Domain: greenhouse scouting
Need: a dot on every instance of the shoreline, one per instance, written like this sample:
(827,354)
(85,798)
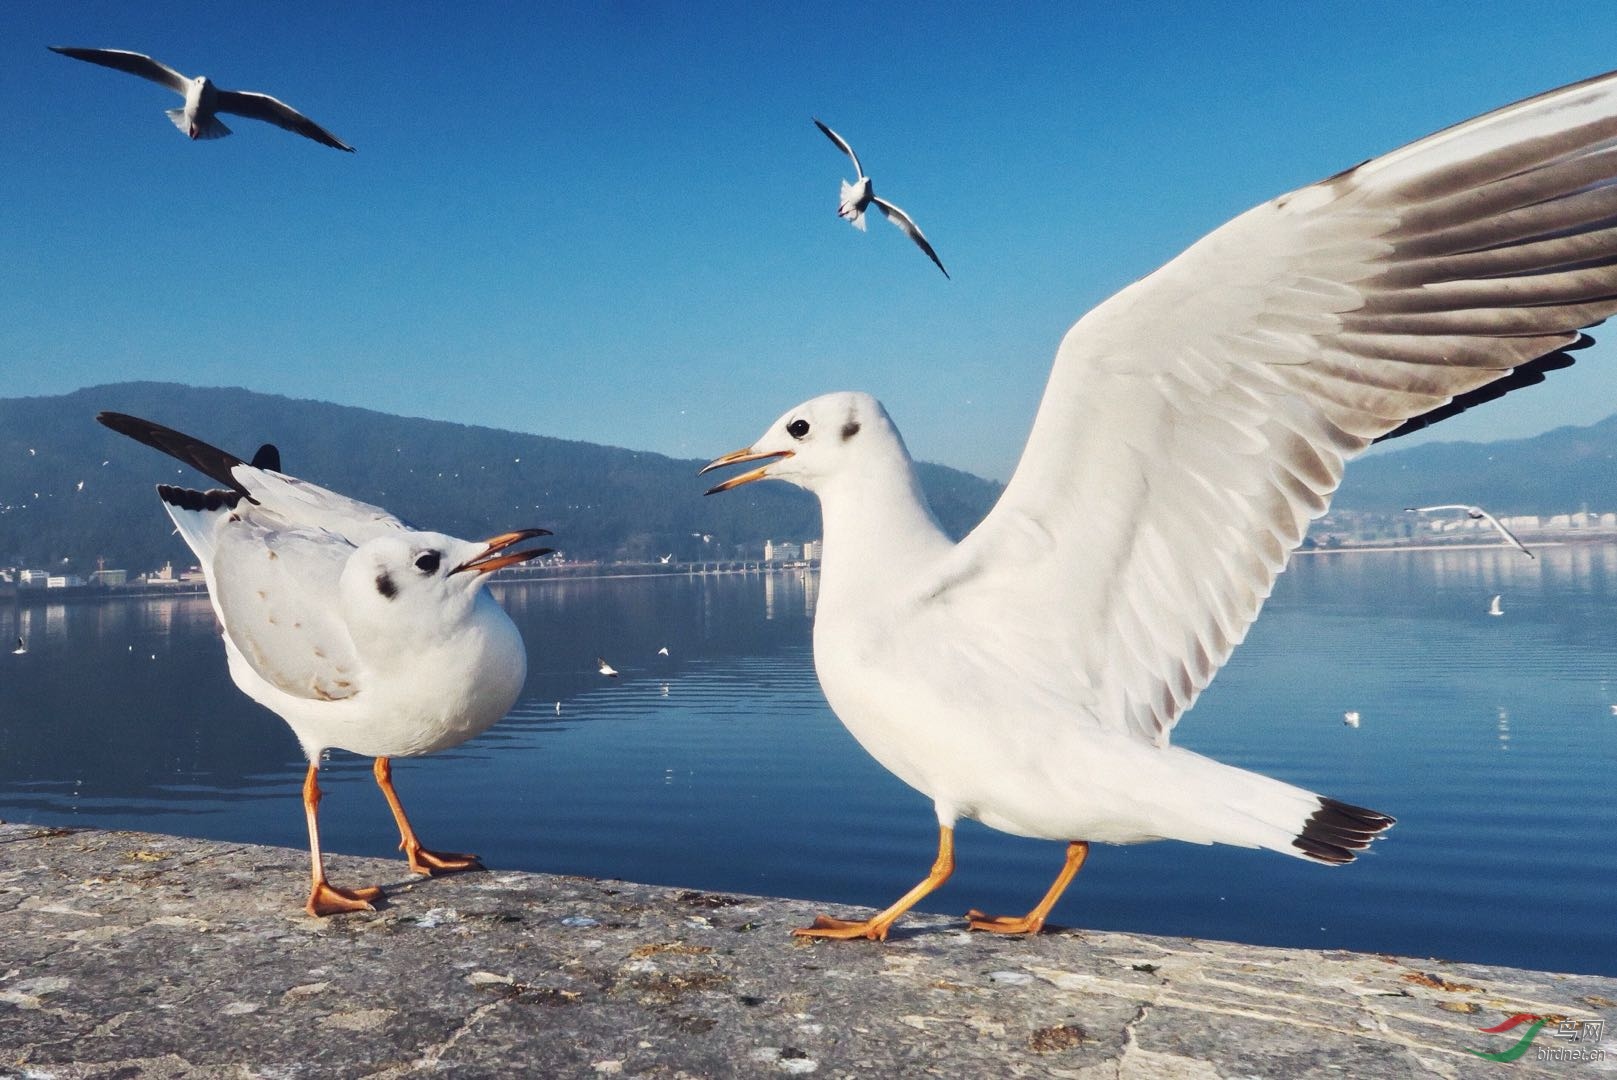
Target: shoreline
(20,596)
(125,952)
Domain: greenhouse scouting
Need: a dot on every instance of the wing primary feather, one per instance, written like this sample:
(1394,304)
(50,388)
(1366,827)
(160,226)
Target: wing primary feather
(208,460)
(1528,374)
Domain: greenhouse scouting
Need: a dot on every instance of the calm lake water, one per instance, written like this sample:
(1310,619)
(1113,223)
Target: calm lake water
(1492,739)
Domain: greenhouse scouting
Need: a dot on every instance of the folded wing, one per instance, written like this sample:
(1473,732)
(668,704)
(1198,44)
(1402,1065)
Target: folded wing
(273,587)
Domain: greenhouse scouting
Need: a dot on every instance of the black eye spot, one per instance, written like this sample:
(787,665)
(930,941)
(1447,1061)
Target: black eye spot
(797,428)
(385,586)
(427,562)
(849,430)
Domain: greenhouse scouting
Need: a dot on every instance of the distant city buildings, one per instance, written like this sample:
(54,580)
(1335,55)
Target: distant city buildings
(787,552)
(1363,528)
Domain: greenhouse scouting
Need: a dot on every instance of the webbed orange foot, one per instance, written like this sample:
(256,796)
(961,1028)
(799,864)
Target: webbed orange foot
(1033,921)
(326,899)
(844,929)
(431,863)
(1004,924)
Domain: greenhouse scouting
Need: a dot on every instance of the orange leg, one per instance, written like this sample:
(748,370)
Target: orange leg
(422,861)
(876,928)
(325,898)
(1033,921)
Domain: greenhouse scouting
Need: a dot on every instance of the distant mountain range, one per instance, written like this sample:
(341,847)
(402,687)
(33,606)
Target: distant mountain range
(1557,472)
(70,489)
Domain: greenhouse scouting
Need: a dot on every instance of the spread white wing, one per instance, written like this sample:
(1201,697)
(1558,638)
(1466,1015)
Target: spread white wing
(132,62)
(275,111)
(842,144)
(1196,421)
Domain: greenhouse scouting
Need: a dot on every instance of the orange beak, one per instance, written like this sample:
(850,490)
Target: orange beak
(739,457)
(491,560)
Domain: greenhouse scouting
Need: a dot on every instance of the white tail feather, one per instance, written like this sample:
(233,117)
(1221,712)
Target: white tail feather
(1227,805)
(210,127)
(850,207)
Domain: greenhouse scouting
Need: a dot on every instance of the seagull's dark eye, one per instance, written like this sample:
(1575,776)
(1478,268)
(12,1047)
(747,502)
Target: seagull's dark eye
(797,428)
(427,562)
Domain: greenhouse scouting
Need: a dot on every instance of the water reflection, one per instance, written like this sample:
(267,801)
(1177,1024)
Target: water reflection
(719,765)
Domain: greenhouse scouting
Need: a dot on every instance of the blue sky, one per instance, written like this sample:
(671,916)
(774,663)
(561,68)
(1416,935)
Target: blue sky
(617,223)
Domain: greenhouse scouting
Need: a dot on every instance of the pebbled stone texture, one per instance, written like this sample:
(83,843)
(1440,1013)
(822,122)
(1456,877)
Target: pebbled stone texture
(132,954)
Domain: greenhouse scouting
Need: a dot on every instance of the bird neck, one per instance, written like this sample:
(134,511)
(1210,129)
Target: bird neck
(877,528)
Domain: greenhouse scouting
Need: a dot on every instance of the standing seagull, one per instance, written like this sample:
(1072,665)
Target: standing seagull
(203,99)
(360,632)
(1477,513)
(1031,675)
(859,195)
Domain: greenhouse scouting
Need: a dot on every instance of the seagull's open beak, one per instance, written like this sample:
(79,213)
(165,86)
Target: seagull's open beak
(490,559)
(739,457)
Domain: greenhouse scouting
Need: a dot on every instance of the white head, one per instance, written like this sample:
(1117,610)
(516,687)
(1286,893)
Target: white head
(420,584)
(828,437)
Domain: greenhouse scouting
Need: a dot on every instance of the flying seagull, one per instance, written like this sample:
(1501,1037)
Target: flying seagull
(22,647)
(860,195)
(605,668)
(1477,513)
(1031,675)
(360,632)
(203,100)
(1493,606)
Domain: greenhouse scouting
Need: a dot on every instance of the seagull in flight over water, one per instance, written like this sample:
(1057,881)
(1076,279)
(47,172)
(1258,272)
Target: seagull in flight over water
(1031,675)
(203,100)
(858,196)
(357,630)
(1477,513)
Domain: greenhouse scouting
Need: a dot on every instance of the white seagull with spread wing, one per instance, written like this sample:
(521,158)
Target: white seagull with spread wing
(1031,675)
(858,196)
(203,100)
(1477,513)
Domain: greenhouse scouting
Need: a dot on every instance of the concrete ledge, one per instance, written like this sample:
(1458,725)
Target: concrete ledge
(127,954)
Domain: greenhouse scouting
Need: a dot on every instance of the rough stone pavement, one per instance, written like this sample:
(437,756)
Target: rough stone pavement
(132,954)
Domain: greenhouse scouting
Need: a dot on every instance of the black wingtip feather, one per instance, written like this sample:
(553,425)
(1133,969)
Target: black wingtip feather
(1527,374)
(208,460)
(191,499)
(1337,831)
